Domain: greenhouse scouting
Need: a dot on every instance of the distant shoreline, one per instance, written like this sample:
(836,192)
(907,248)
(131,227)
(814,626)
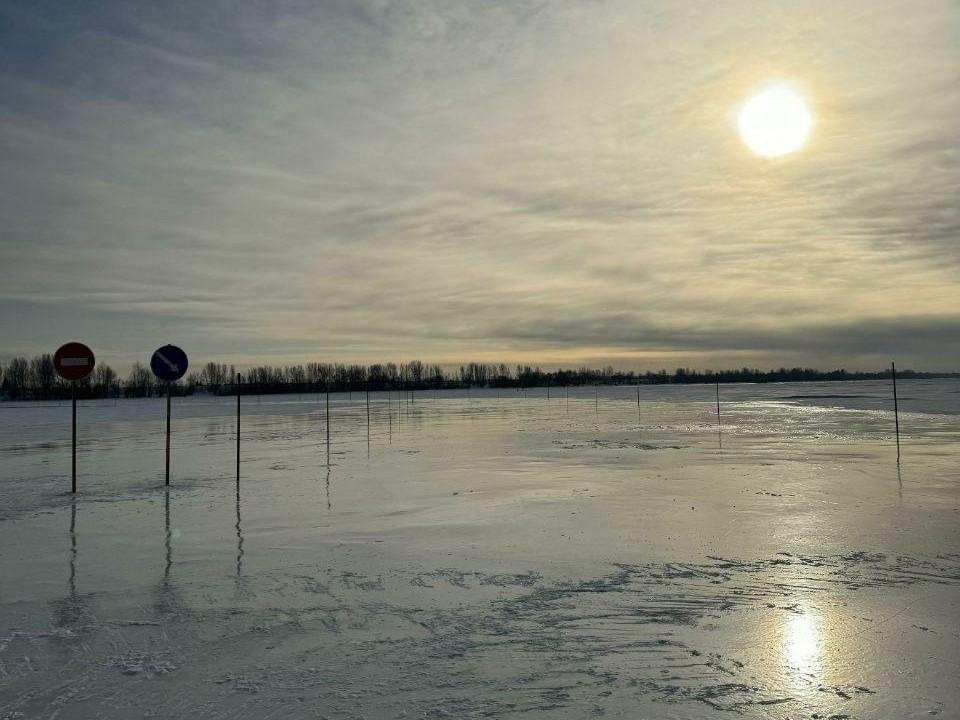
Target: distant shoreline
(536,379)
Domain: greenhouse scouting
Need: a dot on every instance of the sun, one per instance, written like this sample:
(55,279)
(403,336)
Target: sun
(775,122)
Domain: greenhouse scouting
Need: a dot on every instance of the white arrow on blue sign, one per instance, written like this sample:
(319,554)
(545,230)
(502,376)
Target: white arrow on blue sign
(169,363)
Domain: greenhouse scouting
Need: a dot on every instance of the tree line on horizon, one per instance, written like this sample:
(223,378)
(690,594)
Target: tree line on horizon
(36,379)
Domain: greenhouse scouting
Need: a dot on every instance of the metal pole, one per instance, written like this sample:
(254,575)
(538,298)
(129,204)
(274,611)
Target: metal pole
(718,403)
(167,481)
(896,409)
(719,427)
(328,427)
(238,437)
(73,394)
(368,420)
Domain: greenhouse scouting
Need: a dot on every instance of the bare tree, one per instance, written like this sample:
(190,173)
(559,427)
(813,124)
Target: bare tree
(43,375)
(214,376)
(390,370)
(17,375)
(104,378)
(415,371)
(296,374)
(139,381)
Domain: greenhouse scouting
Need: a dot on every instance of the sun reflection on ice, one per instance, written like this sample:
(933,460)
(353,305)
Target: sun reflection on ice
(802,645)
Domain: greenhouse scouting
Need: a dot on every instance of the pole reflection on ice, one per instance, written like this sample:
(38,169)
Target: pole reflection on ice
(239,529)
(168,548)
(73,548)
(166,600)
(328,486)
(71,611)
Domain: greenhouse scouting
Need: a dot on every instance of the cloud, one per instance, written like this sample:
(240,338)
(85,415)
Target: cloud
(361,180)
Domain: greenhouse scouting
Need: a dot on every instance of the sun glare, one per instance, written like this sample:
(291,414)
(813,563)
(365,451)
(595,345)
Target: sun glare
(775,122)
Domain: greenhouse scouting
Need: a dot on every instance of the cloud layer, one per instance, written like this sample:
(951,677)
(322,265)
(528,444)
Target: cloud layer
(552,181)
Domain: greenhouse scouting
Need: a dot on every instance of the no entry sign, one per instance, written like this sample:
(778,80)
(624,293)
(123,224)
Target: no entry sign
(74,361)
(169,363)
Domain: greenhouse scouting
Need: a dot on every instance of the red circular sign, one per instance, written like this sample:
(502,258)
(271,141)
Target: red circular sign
(74,361)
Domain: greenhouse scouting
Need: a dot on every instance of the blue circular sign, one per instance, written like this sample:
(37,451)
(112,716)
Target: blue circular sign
(169,363)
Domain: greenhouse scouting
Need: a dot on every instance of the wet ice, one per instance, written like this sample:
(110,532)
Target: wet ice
(489,557)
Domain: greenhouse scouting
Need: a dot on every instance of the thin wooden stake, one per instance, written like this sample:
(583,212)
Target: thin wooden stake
(328,427)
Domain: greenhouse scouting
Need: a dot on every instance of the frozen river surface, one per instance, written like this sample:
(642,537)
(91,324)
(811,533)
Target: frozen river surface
(491,556)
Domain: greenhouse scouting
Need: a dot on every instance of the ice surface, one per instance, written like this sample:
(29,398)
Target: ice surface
(497,555)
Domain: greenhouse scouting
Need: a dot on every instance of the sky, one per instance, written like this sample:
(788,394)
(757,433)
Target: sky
(551,182)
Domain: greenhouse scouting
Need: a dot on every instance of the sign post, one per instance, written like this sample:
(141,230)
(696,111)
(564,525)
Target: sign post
(169,364)
(896,406)
(166,465)
(73,361)
(238,436)
(73,440)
